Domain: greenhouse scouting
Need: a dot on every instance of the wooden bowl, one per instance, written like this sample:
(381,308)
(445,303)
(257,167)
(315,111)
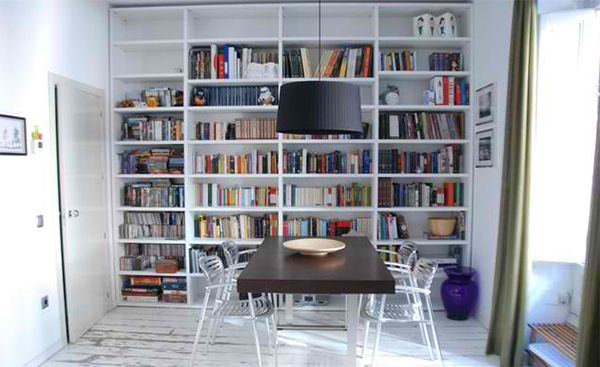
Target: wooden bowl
(314,246)
(442,226)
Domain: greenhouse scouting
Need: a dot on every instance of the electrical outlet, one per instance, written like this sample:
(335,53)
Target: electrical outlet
(564,298)
(45,302)
(40,221)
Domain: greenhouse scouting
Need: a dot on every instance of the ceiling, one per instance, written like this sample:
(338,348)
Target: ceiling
(122,3)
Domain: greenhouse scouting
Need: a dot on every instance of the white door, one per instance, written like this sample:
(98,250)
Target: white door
(80,126)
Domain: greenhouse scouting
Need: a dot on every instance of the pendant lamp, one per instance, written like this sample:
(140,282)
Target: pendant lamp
(319,107)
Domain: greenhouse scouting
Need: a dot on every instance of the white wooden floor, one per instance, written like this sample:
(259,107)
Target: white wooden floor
(161,337)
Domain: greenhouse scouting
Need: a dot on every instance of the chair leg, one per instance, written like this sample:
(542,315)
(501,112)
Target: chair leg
(254,329)
(209,334)
(274,336)
(378,332)
(269,336)
(436,341)
(365,339)
(423,327)
(199,330)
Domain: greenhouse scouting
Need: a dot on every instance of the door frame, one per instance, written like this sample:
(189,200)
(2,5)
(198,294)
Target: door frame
(55,80)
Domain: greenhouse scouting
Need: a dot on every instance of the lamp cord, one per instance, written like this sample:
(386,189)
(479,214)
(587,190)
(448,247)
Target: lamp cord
(319,40)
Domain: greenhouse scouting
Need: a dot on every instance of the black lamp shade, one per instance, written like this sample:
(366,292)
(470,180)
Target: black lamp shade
(318,107)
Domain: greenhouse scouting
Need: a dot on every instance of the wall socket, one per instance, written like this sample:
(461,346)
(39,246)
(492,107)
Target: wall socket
(45,302)
(564,298)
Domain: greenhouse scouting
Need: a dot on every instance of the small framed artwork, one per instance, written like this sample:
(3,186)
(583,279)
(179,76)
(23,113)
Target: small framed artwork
(486,104)
(13,135)
(484,148)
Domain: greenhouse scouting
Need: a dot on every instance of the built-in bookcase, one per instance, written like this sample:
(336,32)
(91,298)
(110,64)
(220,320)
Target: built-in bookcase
(150,48)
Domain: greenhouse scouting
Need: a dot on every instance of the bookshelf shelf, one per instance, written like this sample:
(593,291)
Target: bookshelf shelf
(148,110)
(152,272)
(150,47)
(418,75)
(423,141)
(425,209)
(148,209)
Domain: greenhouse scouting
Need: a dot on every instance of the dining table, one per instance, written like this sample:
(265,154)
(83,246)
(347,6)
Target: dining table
(357,269)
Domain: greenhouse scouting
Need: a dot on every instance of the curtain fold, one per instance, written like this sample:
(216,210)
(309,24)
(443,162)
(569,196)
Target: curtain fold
(588,346)
(508,321)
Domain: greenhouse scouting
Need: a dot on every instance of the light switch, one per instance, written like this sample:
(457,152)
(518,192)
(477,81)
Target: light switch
(40,221)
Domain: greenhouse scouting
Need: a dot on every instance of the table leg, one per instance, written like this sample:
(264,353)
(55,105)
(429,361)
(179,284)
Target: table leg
(289,309)
(352,317)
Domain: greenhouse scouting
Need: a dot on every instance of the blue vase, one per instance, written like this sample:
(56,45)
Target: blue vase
(459,292)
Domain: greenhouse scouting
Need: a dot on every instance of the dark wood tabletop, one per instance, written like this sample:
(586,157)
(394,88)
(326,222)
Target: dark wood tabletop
(357,269)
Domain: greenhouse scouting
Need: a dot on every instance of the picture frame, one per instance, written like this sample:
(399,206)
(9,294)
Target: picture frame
(13,135)
(486,104)
(484,148)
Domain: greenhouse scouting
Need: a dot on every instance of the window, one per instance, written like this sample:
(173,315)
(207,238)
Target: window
(564,136)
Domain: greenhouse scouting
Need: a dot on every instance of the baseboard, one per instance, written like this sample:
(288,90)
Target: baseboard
(45,355)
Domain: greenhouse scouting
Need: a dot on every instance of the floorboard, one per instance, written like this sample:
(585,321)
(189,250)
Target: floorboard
(150,337)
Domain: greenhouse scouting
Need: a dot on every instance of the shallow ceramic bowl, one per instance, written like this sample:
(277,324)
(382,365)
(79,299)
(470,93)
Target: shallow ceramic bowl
(442,226)
(314,246)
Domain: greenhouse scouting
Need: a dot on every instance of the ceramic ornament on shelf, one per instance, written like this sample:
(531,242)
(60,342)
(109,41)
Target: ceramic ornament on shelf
(445,26)
(391,96)
(265,98)
(423,25)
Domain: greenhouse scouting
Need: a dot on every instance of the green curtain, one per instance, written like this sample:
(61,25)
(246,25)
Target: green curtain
(507,326)
(588,348)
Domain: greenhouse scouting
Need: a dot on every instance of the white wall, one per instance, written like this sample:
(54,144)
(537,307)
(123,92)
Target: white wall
(69,38)
(491,47)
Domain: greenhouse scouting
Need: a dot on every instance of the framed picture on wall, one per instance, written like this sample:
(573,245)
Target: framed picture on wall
(486,104)
(484,141)
(13,135)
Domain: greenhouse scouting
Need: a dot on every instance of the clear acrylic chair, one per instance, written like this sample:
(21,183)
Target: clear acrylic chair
(232,253)
(406,310)
(226,308)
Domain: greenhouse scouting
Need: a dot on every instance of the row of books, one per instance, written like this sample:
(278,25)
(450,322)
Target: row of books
(227,62)
(363,135)
(234,96)
(420,194)
(296,63)
(255,162)
(152,161)
(239,129)
(162,97)
(391,226)
(405,60)
(421,125)
(240,226)
(448,91)
(155,289)
(303,161)
(153,250)
(446,61)
(156,193)
(318,227)
(354,195)
(152,225)
(145,128)
(349,62)
(443,160)
(216,195)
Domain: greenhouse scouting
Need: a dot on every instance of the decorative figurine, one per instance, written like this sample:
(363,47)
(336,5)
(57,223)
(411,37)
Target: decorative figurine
(126,103)
(423,25)
(265,98)
(391,96)
(152,101)
(199,97)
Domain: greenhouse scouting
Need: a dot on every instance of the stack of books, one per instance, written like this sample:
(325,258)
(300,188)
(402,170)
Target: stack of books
(234,96)
(405,60)
(240,226)
(444,160)
(325,227)
(333,196)
(227,62)
(420,194)
(348,62)
(142,289)
(251,163)
(215,195)
(240,129)
(445,61)
(303,161)
(421,125)
(156,193)
(391,226)
(174,290)
(152,225)
(152,161)
(145,128)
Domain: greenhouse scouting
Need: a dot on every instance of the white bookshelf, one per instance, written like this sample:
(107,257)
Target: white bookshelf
(149,47)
